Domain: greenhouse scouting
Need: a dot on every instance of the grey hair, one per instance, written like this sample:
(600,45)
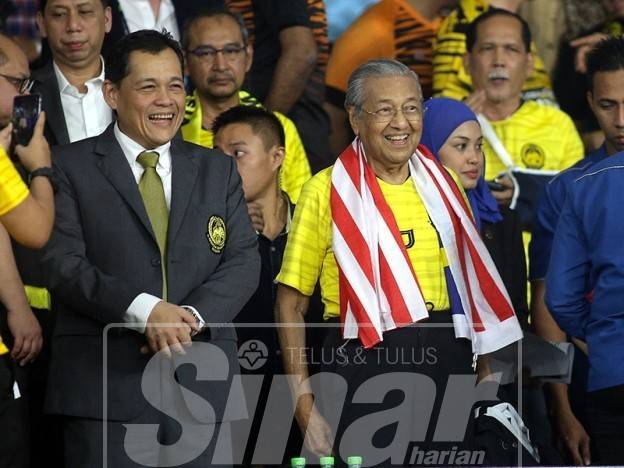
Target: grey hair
(373,69)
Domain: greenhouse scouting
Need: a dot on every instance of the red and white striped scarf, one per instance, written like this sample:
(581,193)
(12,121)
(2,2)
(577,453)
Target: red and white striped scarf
(379,290)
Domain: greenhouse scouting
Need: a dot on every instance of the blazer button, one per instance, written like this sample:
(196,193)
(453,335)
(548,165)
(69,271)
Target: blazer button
(156,262)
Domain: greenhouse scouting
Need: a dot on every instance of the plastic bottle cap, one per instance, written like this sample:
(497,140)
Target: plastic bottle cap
(354,461)
(327,461)
(297,461)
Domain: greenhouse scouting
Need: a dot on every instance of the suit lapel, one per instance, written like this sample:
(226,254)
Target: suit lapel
(183,178)
(51,104)
(116,169)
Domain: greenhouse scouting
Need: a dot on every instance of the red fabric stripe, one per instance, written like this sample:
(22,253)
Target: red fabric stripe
(366,331)
(350,161)
(386,213)
(449,180)
(492,293)
(352,235)
(459,239)
(398,308)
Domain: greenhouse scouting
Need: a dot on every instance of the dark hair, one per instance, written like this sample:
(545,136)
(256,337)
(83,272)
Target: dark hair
(145,40)
(213,12)
(471,33)
(43,3)
(262,122)
(606,56)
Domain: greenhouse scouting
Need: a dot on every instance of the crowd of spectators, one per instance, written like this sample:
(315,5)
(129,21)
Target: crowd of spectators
(514,108)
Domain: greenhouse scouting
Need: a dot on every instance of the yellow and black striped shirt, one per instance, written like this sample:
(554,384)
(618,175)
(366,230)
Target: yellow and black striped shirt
(389,29)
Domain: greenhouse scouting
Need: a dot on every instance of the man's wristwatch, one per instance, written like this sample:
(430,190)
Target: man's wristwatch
(44,172)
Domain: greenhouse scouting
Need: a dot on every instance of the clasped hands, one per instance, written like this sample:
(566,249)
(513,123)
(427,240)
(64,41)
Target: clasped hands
(169,327)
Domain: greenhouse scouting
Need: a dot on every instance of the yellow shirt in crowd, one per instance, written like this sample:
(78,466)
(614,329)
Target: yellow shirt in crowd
(449,76)
(13,191)
(309,255)
(536,136)
(295,169)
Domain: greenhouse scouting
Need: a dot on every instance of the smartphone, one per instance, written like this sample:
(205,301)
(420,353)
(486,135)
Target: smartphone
(26,110)
(495,186)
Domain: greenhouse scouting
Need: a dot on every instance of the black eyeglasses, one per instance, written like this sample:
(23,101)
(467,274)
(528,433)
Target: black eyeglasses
(23,85)
(208,54)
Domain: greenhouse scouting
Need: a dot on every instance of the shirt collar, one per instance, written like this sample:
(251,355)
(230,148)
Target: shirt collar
(63,84)
(132,149)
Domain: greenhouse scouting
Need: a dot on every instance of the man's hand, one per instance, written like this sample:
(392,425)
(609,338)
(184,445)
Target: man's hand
(37,153)
(583,46)
(26,335)
(169,325)
(503,197)
(572,437)
(255,213)
(5,137)
(318,434)
(475,101)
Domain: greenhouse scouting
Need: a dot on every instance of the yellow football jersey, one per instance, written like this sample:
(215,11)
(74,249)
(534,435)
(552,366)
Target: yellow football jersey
(309,256)
(536,136)
(295,169)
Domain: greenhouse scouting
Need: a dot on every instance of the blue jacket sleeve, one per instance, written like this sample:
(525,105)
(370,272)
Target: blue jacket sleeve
(568,273)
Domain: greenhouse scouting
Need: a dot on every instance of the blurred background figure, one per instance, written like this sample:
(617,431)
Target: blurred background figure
(449,76)
(218,57)
(399,29)
(291,50)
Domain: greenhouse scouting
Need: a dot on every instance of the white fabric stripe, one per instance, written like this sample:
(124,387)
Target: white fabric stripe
(441,219)
(470,228)
(403,275)
(380,237)
(394,256)
(357,279)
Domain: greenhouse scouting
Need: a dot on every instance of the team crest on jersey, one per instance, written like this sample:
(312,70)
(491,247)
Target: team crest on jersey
(216,233)
(533,156)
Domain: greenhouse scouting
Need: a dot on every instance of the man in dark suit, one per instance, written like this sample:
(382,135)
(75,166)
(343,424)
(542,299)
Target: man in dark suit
(70,81)
(143,216)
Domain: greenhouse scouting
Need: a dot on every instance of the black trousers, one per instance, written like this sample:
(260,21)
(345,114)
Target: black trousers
(605,417)
(429,353)
(14,451)
(85,444)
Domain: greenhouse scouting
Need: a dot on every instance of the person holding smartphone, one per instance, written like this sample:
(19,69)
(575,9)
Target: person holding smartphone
(27,215)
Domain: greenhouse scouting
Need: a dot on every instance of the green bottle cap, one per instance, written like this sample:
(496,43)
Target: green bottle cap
(327,461)
(297,462)
(354,461)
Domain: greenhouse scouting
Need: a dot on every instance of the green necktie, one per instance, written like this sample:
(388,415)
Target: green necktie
(153,195)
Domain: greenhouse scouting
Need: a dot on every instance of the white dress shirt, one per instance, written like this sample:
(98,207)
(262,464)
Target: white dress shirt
(86,114)
(141,307)
(139,15)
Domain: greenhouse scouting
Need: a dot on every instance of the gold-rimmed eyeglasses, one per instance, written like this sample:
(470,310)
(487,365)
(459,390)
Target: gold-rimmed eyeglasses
(411,112)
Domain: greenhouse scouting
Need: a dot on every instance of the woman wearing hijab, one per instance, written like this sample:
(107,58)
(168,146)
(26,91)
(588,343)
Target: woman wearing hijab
(452,133)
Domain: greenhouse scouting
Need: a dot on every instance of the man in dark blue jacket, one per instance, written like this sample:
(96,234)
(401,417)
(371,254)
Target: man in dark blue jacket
(585,293)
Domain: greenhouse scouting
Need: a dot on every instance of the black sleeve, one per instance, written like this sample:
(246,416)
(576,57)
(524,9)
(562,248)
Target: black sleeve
(281,15)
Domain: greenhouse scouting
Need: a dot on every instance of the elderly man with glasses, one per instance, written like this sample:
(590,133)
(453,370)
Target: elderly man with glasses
(388,233)
(218,57)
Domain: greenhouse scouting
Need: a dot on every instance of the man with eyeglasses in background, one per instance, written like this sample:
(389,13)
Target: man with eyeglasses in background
(218,57)
(27,215)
